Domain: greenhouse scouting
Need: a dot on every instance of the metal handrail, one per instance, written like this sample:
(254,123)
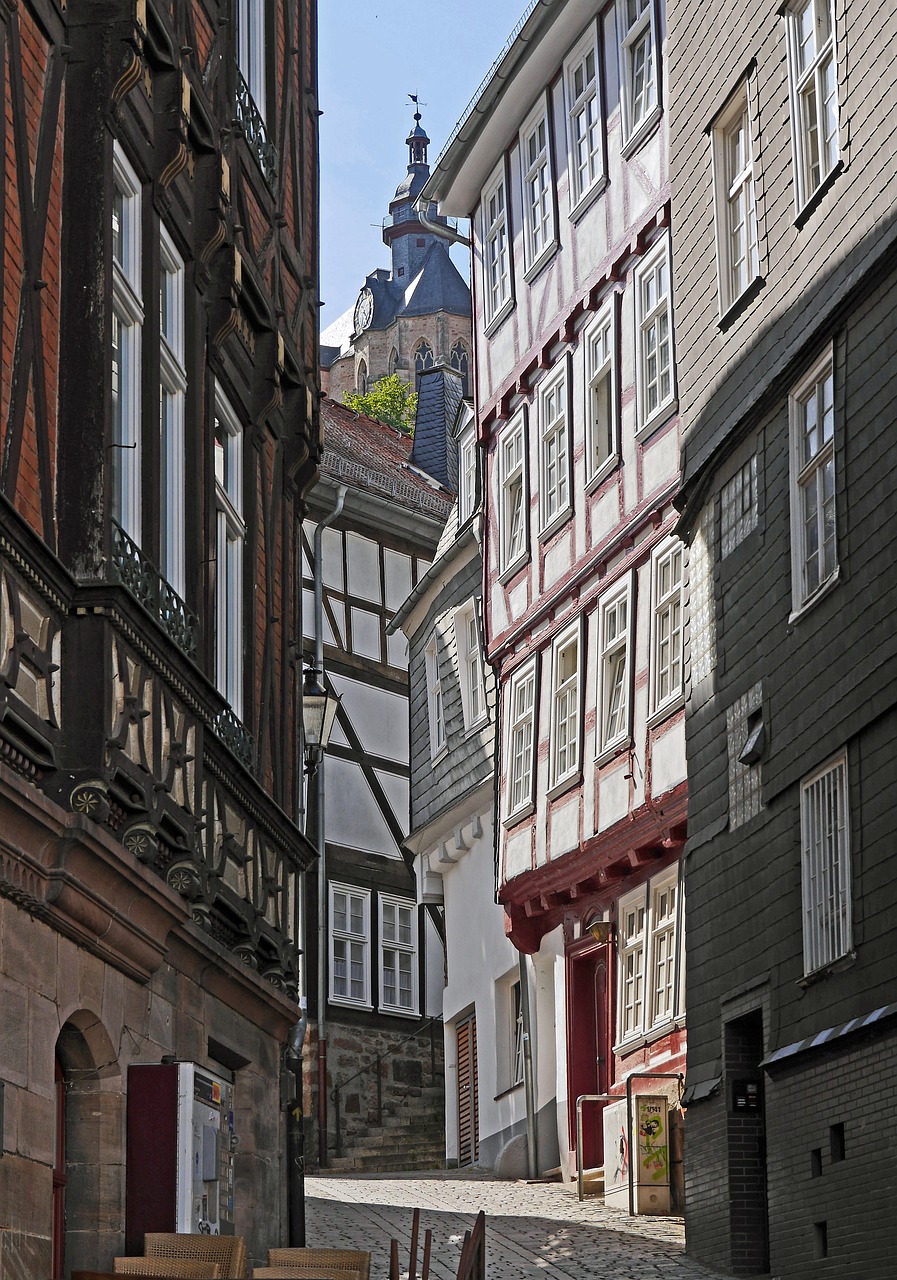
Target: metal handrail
(134,570)
(375,1062)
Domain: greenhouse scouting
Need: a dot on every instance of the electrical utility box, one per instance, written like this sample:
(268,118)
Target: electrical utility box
(643,1155)
(180,1152)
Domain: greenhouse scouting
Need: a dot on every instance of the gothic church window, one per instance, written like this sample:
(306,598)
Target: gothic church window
(461,364)
(423,360)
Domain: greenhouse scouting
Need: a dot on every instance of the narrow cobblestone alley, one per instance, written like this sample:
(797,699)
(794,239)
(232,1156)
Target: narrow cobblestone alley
(531,1230)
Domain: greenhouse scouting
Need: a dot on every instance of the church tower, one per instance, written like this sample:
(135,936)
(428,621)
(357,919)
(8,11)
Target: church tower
(413,316)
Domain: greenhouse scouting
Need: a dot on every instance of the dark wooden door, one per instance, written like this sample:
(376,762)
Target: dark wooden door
(589,1047)
(468,1103)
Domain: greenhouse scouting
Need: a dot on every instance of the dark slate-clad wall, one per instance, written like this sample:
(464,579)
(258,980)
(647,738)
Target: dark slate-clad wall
(468,759)
(435,451)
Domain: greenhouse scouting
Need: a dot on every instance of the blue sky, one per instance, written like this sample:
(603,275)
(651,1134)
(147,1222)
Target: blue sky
(372,54)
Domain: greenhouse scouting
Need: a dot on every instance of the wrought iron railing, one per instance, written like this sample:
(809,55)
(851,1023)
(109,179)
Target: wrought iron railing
(250,121)
(374,1065)
(136,572)
(234,735)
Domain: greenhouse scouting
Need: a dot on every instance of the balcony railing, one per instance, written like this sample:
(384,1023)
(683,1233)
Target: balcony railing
(250,120)
(234,735)
(134,571)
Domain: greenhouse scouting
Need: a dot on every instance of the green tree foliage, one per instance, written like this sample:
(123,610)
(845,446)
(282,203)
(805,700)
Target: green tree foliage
(389,400)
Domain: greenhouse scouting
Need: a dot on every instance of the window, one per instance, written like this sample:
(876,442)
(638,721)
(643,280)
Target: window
(554,455)
(650,956)
(655,382)
(459,361)
(516,1056)
(601,393)
(251,48)
(614,644)
(423,360)
(398,955)
(513,514)
(825,865)
(467,475)
(350,913)
(565,705)
(521,737)
(585,137)
(127,328)
(231,536)
(814,94)
(393,365)
(739,505)
(172,392)
(538,189)
(738,255)
(639,66)
(496,251)
(813,542)
(668,583)
(362,378)
(470,664)
(435,706)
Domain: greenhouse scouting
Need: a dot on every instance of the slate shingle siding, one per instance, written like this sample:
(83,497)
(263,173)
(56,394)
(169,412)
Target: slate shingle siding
(468,758)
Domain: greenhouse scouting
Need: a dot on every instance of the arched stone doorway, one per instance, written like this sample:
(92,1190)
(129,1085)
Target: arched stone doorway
(89,1174)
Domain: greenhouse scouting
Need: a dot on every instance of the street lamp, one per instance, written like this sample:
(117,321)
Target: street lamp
(318,710)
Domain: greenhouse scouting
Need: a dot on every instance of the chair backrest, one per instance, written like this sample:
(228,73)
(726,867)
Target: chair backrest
(178,1268)
(354,1264)
(228,1251)
(317,1271)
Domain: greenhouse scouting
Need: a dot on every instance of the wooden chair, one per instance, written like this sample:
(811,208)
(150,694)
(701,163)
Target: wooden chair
(229,1252)
(178,1268)
(317,1271)
(352,1264)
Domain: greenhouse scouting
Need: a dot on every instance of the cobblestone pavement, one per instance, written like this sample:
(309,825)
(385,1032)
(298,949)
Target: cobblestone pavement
(532,1230)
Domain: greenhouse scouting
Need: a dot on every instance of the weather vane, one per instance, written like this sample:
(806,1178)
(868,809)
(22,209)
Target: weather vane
(417,104)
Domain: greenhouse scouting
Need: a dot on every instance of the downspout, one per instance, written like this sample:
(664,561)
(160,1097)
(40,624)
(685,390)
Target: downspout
(320,838)
(437,228)
(532,1153)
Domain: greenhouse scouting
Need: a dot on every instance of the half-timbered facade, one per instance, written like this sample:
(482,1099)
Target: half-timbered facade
(158,421)
(780,123)
(380,518)
(561,165)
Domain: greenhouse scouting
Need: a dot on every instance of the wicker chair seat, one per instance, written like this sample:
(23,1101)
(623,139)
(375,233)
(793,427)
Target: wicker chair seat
(178,1268)
(228,1251)
(313,1271)
(353,1264)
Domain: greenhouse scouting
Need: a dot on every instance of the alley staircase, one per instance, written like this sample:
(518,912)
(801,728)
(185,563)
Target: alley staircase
(390,1115)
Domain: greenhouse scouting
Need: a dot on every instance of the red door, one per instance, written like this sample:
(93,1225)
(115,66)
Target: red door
(589,1045)
(59,1178)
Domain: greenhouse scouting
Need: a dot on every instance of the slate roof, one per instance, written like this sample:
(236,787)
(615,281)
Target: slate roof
(371,456)
(438,400)
(438,286)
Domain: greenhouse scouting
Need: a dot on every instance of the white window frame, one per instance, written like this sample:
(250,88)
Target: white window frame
(655,352)
(127,321)
(585,126)
(640,101)
(251,15)
(516,1066)
(668,584)
(615,631)
(350,938)
(435,699)
(467,474)
(825,864)
(813,88)
(565,746)
(553,401)
(395,948)
(735,199)
(513,496)
(650,958)
(522,688)
(537,188)
(601,382)
(813,481)
(498,266)
(231,539)
(471,672)
(172,397)
(739,506)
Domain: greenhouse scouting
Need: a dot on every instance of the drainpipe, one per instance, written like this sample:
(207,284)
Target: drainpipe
(437,228)
(528,1084)
(321,836)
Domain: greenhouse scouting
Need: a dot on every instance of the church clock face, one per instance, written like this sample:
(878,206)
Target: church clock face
(364,310)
